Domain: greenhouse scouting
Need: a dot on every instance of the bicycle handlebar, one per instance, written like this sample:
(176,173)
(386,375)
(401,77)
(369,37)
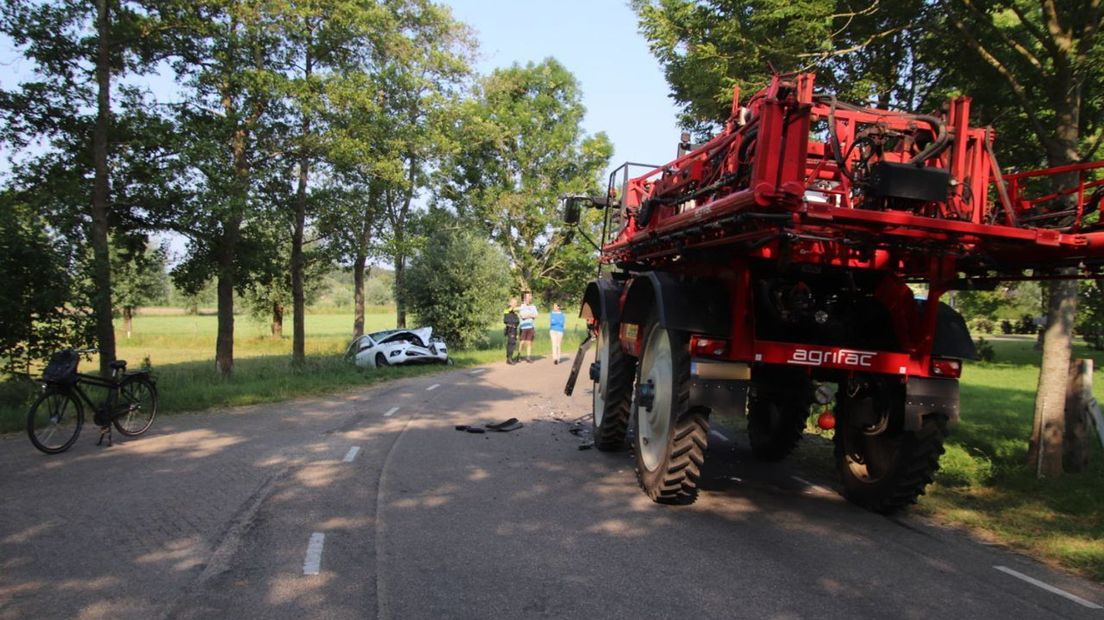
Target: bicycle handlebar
(86,351)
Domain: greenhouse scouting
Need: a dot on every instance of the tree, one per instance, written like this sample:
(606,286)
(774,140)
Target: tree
(79,50)
(327,44)
(1045,56)
(350,221)
(861,50)
(387,120)
(227,59)
(35,316)
(520,148)
(456,284)
(140,276)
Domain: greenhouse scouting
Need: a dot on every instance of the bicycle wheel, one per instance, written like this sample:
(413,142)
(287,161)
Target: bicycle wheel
(55,421)
(137,407)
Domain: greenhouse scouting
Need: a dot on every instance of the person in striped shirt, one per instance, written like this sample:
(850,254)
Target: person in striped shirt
(528,326)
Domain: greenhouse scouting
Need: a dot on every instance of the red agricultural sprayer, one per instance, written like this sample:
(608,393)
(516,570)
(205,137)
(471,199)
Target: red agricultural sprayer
(769,269)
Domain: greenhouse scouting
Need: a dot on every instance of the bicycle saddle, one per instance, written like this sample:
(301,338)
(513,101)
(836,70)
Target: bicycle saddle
(118,365)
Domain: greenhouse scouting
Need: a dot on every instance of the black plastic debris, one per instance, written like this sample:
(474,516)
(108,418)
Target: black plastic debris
(505,427)
(500,427)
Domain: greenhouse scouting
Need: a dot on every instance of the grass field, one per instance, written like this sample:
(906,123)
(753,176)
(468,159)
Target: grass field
(181,351)
(984,483)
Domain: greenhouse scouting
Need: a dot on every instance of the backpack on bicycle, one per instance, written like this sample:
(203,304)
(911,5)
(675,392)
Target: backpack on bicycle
(62,368)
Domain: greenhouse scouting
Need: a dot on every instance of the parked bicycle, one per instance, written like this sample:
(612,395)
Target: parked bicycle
(56,417)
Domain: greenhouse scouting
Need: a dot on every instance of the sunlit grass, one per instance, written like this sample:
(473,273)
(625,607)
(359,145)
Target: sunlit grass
(181,351)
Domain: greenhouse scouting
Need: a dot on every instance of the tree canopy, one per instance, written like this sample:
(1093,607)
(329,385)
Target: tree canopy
(520,147)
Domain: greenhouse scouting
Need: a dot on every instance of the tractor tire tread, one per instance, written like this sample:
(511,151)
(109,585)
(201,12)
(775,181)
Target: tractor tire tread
(920,463)
(677,482)
(610,436)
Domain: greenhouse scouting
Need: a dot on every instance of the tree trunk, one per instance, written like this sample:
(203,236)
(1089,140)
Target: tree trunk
(1045,447)
(358,295)
(224,343)
(400,281)
(1045,451)
(1076,451)
(101,261)
(298,263)
(277,320)
(298,299)
(128,319)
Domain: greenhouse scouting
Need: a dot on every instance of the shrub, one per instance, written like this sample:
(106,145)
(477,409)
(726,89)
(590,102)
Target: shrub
(985,350)
(983,325)
(458,286)
(1026,325)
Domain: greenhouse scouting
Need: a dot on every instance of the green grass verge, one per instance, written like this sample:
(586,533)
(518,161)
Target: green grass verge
(181,351)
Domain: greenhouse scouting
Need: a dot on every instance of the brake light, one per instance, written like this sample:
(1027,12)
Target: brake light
(708,347)
(946,368)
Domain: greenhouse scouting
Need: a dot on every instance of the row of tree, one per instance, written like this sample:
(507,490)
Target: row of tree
(295,135)
(1033,68)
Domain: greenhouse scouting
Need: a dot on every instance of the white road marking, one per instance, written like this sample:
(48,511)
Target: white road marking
(351,454)
(477,371)
(1048,587)
(312,563)
(814,487)
(433,387)
(390,412)
(718,435)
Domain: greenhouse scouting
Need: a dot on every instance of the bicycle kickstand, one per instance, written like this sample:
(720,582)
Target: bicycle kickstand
(105,431)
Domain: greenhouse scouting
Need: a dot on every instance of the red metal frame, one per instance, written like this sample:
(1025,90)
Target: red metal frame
(766,190)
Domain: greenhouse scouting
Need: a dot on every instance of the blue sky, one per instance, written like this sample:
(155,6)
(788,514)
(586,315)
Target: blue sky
(622,84)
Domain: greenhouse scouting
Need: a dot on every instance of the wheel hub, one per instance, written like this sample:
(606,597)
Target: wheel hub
(645,395)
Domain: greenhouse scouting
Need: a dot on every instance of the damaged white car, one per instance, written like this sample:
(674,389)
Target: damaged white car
(398,346)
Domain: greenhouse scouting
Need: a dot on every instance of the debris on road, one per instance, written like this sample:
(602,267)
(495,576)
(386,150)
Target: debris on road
(500,427)
(505,427)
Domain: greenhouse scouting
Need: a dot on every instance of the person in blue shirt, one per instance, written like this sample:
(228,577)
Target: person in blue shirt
(556,331)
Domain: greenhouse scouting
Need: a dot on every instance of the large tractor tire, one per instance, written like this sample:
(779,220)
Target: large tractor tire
(670,437)
(777,412)
(884,467)
(612,391)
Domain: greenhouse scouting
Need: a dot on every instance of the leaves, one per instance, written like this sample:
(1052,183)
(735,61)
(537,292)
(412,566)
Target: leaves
(520,147)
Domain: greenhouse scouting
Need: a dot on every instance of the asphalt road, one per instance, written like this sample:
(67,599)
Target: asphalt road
(370,503)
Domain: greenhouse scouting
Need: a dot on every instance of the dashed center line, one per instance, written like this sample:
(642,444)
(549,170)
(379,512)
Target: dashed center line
(351,454)
(718,435)
(312,563)
(477,371)
(391,412)
(433,387)
(1048,587)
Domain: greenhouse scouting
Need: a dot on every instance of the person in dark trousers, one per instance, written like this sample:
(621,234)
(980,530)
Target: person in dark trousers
(511,320)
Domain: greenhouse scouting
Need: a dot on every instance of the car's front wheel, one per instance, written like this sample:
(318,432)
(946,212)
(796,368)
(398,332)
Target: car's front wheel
(381,361)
